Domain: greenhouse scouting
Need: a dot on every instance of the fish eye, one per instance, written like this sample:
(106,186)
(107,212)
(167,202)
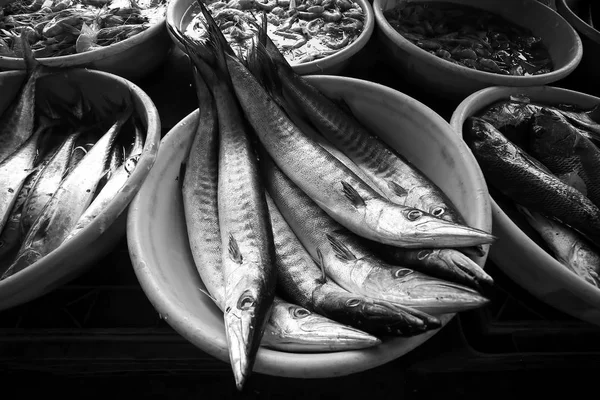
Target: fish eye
(246,302)
(421,255)
(131,163)
(301,312)
(438,211)
(402,272)
(414,214)
(353,302)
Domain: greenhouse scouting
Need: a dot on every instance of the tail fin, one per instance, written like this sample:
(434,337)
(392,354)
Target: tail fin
(30,62)
(216,39)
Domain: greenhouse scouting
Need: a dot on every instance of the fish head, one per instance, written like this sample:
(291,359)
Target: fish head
(552,134)
(418,229)
(245,317)
(482,135)
(462,267)
(376,316)
(435,295)
(299,329)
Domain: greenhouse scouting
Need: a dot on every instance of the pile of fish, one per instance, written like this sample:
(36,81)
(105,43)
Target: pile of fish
(62,27)
(303,30)
(546,160)
(61,164)
(309,232)
(471,37)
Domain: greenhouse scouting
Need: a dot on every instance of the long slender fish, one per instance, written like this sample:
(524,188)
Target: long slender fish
(17,121)
(14,170)
(342,194)
(560,147)
(47,182)
(291,327)
(73,196)
(246,236)
(569,247)
(350,263)
(303,282)
(528,183)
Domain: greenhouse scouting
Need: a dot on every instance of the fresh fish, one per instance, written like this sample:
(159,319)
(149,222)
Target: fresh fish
(400,181)
(342,194)
(62,211)
(448,264)
(527,182)
(115,183)
(47,182)
(303,282)
(246,235)
(14,170)
(560,147)
(290,327)
(349,262)
(17,121)
(569,247)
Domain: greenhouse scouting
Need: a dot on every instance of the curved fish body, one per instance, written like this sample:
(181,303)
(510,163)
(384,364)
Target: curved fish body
(568,246)
(333,186)
(14,170)
(48,182)
(303,282)
(72,197)
(17,121)
(527,182)
(446,264)
(246,236)
(346,259)
(290,327)
(567,154)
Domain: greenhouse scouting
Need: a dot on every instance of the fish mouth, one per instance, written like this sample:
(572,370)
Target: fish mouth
(441,297)
(464,267)
(391,318)
(434,232)
(243,342)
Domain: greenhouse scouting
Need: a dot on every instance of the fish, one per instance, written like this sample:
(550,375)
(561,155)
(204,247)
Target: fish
(17,121)
(118,175)
(448,264)
(290,327)
(560,147)
(47,182)
(342,194)
(569,247)
(304,283)
(528,182)
(349,262)
(246,237)
(73,196)
(399,180)
(14,170)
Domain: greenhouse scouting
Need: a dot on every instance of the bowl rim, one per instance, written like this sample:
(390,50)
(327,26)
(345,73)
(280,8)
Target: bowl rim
(478,101)
(310,67)
(490,77)
(576,22)
(92,55)
(305,365)
(95,229)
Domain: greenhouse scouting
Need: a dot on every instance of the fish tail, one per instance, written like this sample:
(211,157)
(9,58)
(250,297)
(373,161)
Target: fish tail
(216,40)
(30,62)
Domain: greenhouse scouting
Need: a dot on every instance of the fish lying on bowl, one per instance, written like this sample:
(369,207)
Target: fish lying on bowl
(309,232)
(76,145)
(544,141)
(124,37)
(315,36)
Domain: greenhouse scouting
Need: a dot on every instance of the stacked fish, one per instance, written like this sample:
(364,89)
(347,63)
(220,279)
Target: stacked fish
(309,232)
(60,166)
(546,160)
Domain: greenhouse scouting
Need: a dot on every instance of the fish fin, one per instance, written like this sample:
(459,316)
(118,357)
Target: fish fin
(352,195)
(341,250)
(321,263)
(30,62)
(234,250)
(341,103)
(262,66)
(397,189)
(204,292)
(182,169)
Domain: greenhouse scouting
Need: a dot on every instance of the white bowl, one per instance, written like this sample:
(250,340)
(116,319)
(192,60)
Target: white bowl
(71,258)
(159,246)
(515,253)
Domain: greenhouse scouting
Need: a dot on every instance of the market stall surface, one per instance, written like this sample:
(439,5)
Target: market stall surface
(99,336)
